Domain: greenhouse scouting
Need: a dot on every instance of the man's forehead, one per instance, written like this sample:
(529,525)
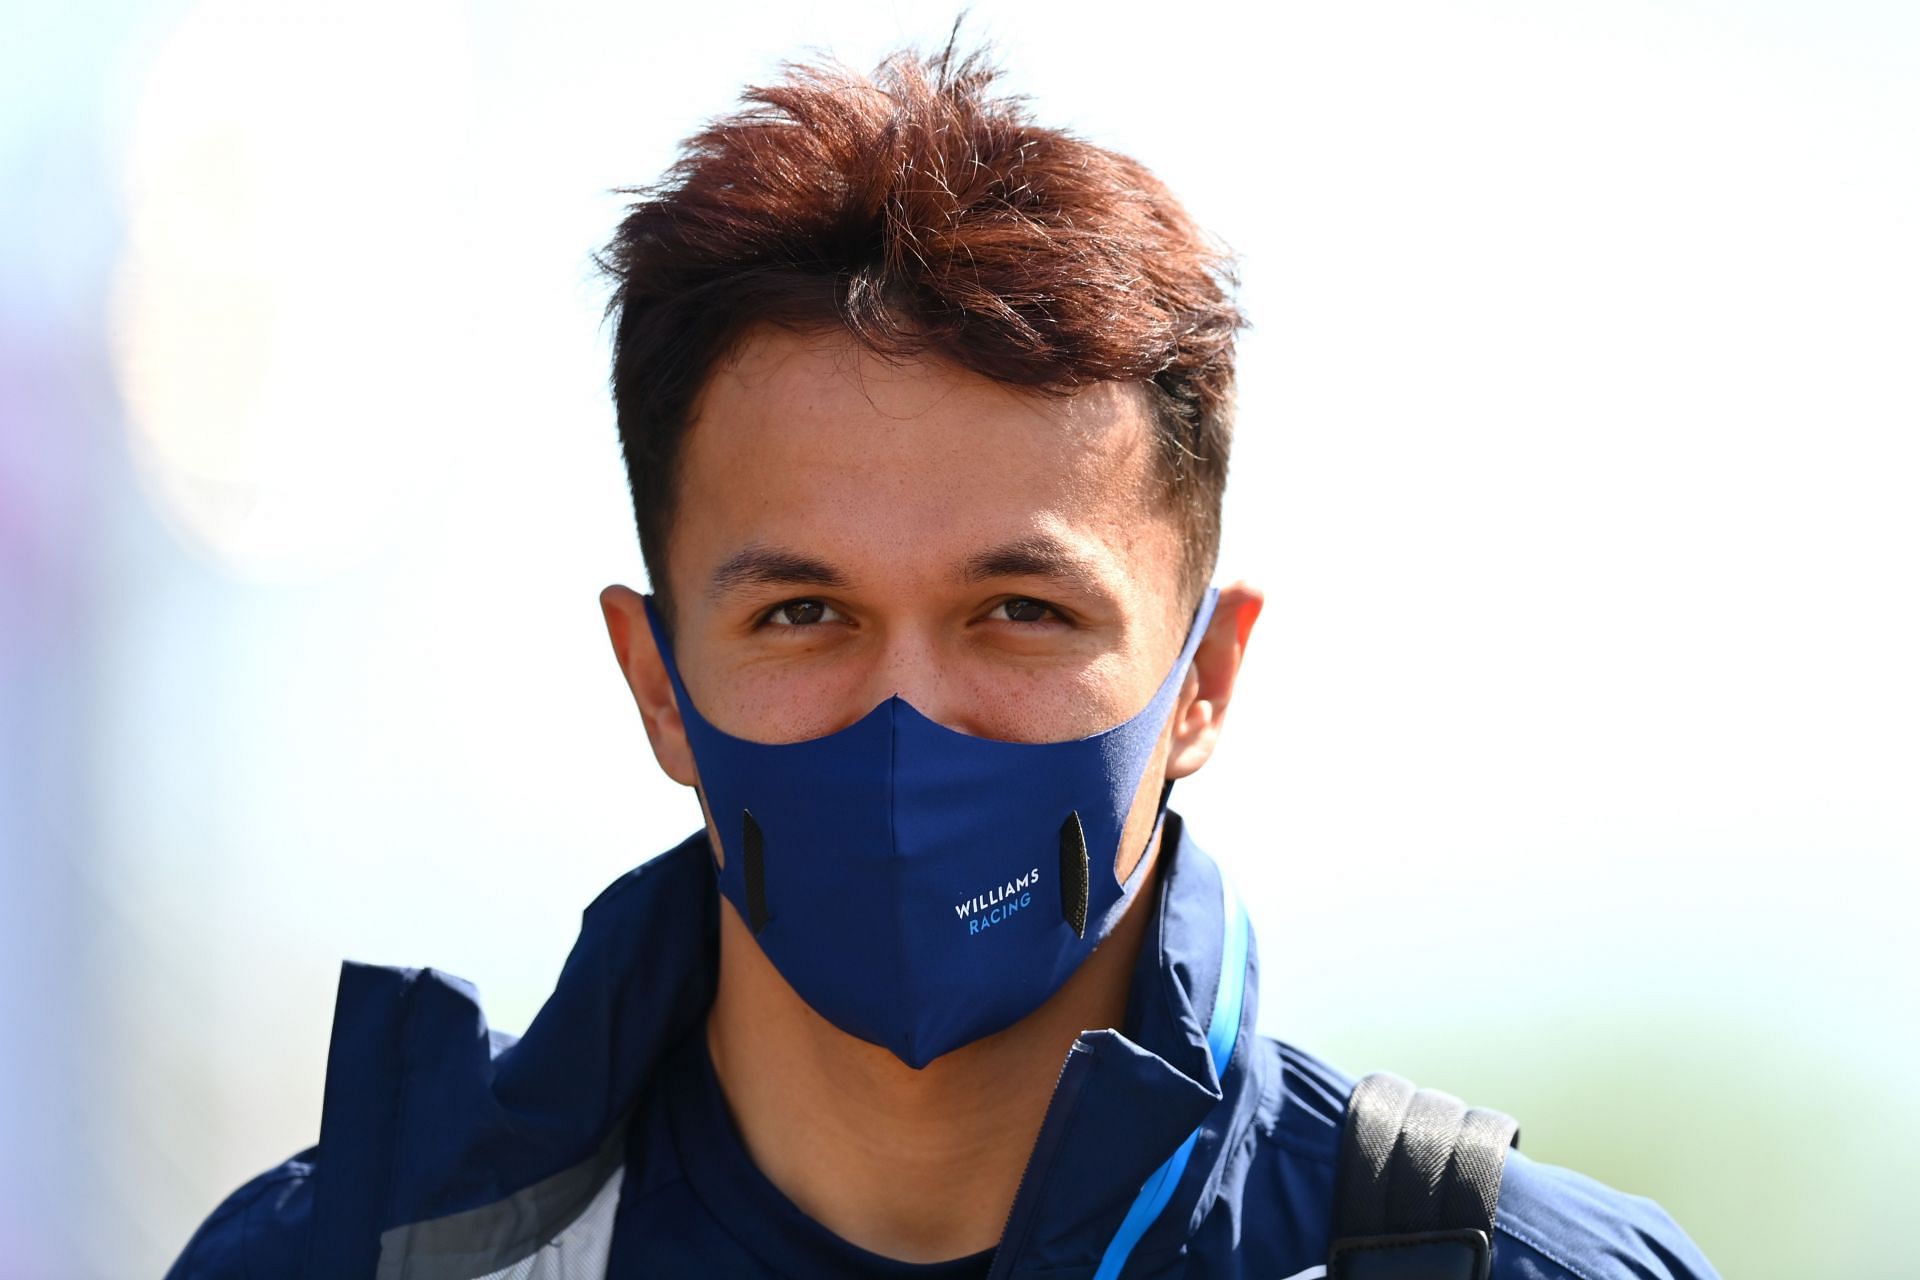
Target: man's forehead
(830,414)
(783,377)
(814,462)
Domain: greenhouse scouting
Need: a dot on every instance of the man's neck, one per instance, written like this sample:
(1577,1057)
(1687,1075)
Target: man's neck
(919,1166)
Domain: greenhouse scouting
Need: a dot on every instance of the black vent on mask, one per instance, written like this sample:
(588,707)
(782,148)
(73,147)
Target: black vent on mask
(1073,874)
(754,870)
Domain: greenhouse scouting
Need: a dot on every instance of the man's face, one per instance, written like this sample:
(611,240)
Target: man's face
(849,528)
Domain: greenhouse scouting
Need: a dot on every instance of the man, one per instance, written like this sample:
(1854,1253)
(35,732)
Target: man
(925,411)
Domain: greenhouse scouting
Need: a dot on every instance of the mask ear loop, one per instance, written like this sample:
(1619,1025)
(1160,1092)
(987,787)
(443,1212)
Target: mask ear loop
(1160,818)
(1153,838)
(1203,614)
(752,842)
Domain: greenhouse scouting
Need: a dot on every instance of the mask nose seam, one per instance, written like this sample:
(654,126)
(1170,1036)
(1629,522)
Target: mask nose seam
(901,899)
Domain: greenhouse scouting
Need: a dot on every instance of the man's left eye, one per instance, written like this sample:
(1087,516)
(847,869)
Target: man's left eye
(1021,609)
(800,613)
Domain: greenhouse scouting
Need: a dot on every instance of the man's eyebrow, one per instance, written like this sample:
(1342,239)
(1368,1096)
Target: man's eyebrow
(771,566)
(1039,556)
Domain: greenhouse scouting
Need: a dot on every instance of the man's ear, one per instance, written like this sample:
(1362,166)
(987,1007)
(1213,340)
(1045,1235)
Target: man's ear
(646,673)
(1209,685)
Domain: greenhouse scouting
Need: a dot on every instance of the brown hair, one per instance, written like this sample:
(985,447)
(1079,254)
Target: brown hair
(925,215)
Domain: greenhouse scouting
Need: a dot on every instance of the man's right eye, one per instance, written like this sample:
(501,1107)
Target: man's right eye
(799,613)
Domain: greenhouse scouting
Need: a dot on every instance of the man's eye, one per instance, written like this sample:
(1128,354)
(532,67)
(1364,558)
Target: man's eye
(1021,609)
(799,613)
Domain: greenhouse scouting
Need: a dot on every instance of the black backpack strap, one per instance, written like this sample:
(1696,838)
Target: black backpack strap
(1417,1185)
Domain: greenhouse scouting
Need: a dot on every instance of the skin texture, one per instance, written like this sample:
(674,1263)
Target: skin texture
(849,528)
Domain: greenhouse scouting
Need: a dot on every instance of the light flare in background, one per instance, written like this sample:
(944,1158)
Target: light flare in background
(297,290)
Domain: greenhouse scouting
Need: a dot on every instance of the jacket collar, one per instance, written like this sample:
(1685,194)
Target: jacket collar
(1127,1099)
(429,1115)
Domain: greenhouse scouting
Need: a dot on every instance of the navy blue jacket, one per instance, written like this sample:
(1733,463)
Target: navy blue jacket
(451,1152)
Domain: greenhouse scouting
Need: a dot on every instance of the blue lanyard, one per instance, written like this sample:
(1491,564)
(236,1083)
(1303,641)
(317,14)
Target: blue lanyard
(1223,1028)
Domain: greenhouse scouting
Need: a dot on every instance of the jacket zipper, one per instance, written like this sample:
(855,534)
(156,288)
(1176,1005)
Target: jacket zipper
(1066,1094)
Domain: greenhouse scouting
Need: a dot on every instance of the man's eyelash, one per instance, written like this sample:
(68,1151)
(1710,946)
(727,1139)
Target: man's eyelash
(1053,612)
(766,616)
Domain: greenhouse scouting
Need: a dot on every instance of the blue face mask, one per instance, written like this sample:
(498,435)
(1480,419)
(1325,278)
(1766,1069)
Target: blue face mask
(918,887)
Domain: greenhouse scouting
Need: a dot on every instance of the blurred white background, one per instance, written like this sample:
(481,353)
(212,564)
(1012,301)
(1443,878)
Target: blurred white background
(1577,453)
